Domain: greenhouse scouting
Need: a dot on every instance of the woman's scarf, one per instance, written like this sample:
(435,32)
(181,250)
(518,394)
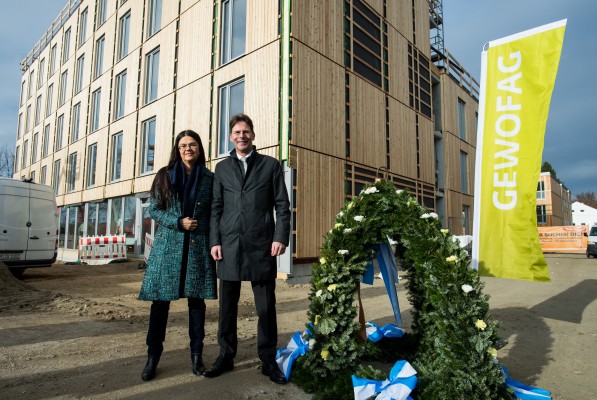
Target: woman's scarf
(186,187)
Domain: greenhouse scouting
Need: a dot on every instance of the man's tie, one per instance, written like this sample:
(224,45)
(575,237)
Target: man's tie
(243,161)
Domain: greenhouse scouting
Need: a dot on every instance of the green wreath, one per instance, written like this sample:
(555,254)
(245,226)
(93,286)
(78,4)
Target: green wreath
(451,344)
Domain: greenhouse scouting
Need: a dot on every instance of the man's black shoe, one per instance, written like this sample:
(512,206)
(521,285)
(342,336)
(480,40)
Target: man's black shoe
(273,371)
(218,368)
(150,367)
(197,361)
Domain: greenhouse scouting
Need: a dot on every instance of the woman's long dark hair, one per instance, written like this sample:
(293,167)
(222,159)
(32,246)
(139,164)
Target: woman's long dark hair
(161,189)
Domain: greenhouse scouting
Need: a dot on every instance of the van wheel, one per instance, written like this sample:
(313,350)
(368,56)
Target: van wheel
(17,272)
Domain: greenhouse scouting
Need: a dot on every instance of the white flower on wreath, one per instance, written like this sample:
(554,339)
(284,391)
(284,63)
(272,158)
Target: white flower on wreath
(340,214)
(371,190)
(399,191)
(311,343)
(452,259)
(429,215)
(467,288)
(342,252)
(347,230)
(318,293)
(359,218)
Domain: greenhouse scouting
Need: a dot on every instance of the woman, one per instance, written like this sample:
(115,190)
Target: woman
(180,264)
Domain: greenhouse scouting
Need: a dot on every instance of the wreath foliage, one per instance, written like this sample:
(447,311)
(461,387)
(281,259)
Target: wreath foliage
(452,335)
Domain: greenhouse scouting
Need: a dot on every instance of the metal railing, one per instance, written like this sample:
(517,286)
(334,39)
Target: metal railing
(58,23)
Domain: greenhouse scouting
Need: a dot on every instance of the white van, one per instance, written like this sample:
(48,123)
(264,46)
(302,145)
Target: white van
(592,242)
(28,225)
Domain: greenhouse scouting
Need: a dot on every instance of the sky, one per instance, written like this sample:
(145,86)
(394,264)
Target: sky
(570,137)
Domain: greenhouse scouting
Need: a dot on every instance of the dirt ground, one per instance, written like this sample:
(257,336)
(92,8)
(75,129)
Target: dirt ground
(78,332)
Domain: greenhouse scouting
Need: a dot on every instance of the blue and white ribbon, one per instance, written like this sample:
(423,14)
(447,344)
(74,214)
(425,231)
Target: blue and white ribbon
(286,356)
(525,392)
(375,333)
(398,386)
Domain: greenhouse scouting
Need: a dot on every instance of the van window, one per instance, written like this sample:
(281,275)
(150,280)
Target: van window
(593,231)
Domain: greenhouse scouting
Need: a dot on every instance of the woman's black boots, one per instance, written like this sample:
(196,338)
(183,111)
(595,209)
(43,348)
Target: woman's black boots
(198,367)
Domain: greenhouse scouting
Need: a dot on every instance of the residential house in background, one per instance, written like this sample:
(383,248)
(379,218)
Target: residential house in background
(554,202)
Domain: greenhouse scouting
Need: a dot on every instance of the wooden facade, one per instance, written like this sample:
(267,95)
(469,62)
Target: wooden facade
(351,118)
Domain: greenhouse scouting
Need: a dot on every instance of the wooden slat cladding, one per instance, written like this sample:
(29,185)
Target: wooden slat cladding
(426,151)
(403,140)
(398,65)
(194,48)
(317,108)
(400,17)
(320,188)
(192,109)
(262,24)
(367,123)
(319,25)
(451,92)
(421,9)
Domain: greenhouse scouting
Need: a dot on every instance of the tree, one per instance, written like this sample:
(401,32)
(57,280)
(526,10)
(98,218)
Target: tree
(7,160)
(587,198)
(546,167)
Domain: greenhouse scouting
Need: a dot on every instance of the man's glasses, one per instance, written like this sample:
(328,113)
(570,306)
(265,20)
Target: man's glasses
(190,146)
(243,133)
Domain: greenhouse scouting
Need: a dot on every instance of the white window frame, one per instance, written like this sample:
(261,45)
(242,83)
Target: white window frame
(34,147)
(82,26)
(148,146)
(96,97)
(44,172)
(52,60)
(17,152)
(28,119)
(152,73)
(63,86)
(56,176)
(80,70)
(31,84)
(24,161)
(120,95)
(37,110)
(232,17)
(66,46)
(72,171)
(75,122)
(98,66)
(91,164)
(46,141)
(49,99)
(19,125)
(116,165)
(154,17)
(59,132)
(40,72)
(124,28)
(102,9)
(225,112)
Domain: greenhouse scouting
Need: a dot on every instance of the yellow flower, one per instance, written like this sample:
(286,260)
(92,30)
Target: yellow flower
(445,231)
(452,259)
(350,205)
(492,351)
(325,354)
(480,324)
(317,318)
(338,225)
(322,260)
(332,287)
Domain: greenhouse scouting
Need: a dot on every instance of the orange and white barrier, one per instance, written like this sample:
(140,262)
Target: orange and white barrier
(102,249)
(148,246)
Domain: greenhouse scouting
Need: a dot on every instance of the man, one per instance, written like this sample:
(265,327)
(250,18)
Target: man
(245,241)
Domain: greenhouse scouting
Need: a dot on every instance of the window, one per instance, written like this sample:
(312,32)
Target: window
(95,109)
(28,119)
(25,150)
(123,35)
(91,161)
(116,156)
(147,145)
(56,177)
(46,141)
(99,57)
(464,172)
(541,190)
(120,95)
(541,214)
(234,26)
(37,110)
(231,102)
(76,121)
(40,72)
(31,83)
(32,176)
(419,85)
(66,46)
(34,148)
(44,172)
(461,120)
(79,73)
(101,11)
(17,153)
(154,17)
(63,83)
(72,171)
(19,126)
(59,130)
(23,92)
(49,99)
(82,27)
(152,70)
(52,60)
